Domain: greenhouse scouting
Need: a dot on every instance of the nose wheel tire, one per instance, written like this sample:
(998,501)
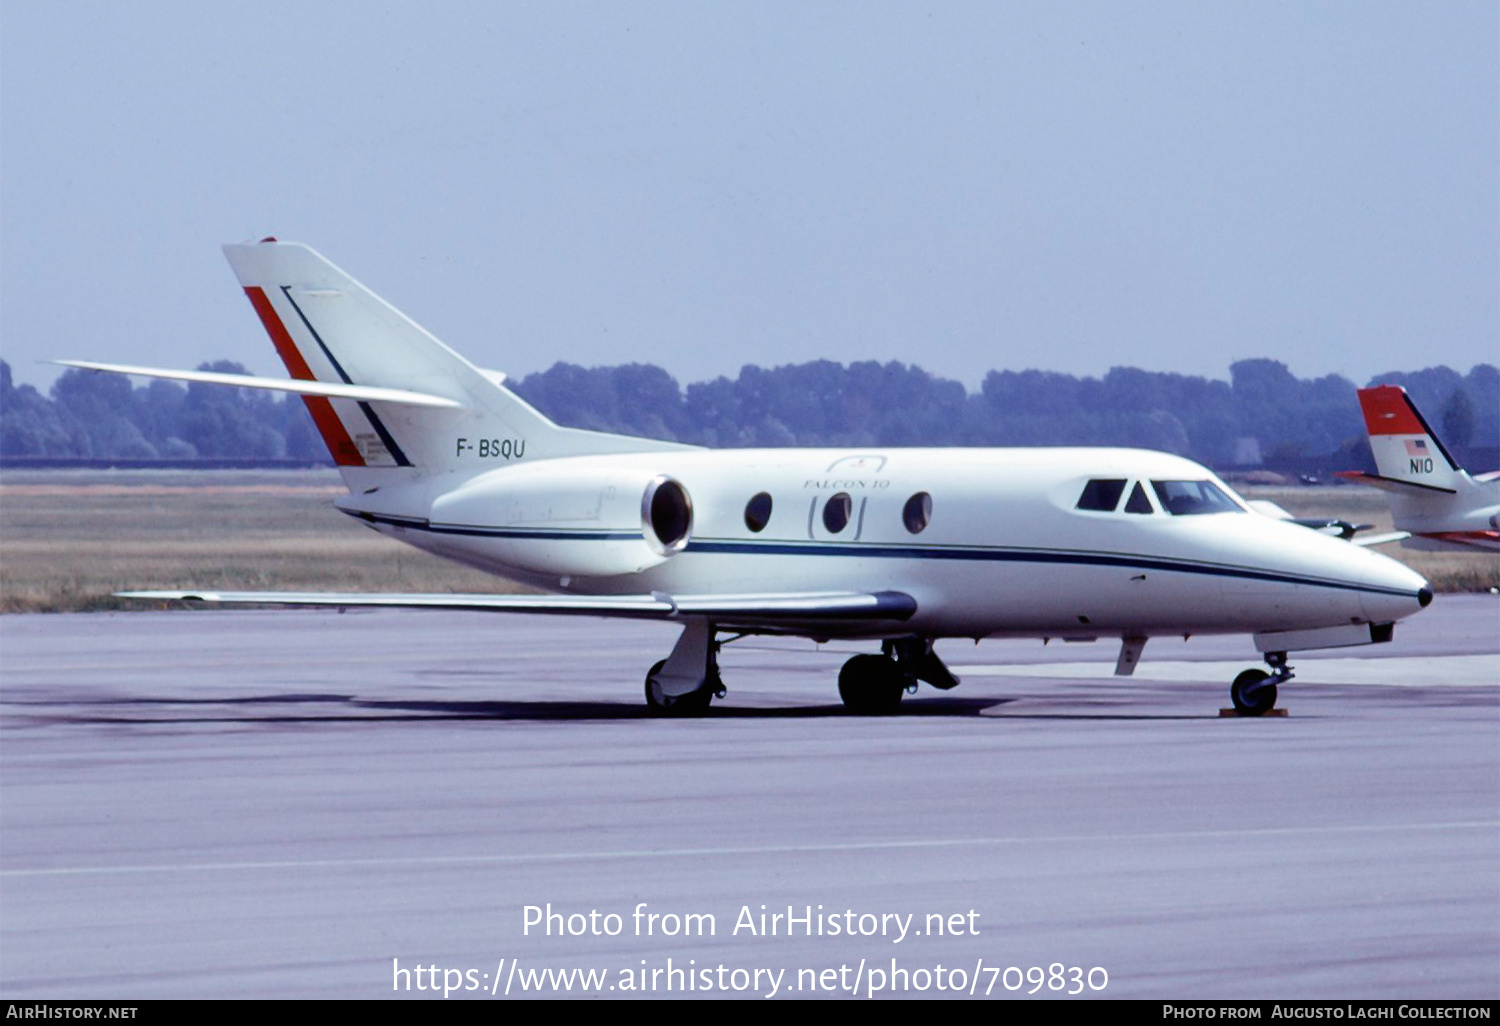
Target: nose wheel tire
(871,685)
(694,703)
(1253,693)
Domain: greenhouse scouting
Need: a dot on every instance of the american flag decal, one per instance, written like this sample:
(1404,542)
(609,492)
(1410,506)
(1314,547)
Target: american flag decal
(1416,447)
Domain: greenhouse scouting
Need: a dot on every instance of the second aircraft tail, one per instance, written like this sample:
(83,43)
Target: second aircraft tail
(1407,451)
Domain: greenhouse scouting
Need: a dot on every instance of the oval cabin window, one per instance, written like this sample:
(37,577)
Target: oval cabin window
(758,512)
(836,512)
(917,513)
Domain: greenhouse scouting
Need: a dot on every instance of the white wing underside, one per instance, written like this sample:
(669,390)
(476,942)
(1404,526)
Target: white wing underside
(782,611)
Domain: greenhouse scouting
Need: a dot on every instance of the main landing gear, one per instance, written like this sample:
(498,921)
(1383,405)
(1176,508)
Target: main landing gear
(687,681)
(1254,691)
(872,685)
(693,703)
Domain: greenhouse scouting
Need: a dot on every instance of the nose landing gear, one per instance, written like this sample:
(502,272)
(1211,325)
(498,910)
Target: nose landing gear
(1254,691)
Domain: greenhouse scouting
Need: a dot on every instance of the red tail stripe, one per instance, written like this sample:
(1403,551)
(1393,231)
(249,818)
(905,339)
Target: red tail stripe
(345,453)
(1388,412)
(285,347)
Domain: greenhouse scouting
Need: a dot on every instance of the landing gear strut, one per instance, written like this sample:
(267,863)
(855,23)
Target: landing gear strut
(1254,691)
(684,683)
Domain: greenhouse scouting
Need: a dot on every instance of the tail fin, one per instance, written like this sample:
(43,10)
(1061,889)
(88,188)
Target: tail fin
(328,327)
(1407,451)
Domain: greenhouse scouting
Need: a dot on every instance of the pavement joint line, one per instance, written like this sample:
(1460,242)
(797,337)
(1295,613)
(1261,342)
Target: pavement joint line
(781,849)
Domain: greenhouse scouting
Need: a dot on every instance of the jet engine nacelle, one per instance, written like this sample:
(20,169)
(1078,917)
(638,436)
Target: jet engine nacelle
(572,517)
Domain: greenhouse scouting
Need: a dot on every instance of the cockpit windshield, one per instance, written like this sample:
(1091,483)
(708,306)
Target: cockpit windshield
(1188,498)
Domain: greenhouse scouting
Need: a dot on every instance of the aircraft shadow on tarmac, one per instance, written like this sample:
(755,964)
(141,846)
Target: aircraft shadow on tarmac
(349,709)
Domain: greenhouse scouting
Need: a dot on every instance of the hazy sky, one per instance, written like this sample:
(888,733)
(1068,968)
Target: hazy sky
(702,185)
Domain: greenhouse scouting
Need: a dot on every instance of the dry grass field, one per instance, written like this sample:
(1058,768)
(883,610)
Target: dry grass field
(1448,571)
(68,539)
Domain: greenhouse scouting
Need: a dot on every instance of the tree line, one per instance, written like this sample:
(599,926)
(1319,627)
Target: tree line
(1262,415)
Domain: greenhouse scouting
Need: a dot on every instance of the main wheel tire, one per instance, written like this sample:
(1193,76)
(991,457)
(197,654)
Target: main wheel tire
(871,685)
(1253,693)
(694,703)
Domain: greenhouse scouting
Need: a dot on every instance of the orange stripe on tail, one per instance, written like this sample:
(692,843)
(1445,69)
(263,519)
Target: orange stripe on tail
(345,453)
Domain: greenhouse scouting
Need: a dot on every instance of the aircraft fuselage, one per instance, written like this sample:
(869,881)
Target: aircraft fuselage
(998,546)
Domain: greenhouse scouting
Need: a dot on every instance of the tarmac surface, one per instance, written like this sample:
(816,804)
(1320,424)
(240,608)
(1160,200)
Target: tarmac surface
(308,804)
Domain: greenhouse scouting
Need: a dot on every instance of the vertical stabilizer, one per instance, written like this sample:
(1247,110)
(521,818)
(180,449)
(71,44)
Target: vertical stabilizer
(328,327)
(1406,449)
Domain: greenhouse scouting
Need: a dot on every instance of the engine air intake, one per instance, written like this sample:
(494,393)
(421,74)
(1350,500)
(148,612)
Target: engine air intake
(667,512)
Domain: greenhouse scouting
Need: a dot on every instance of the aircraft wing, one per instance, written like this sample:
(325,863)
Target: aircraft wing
(780,611)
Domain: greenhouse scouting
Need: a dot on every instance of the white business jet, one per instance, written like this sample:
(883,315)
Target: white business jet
(1435,504)
(898,546)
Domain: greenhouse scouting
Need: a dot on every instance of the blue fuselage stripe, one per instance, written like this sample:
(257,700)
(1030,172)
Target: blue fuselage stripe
(868,550)
(1052,556)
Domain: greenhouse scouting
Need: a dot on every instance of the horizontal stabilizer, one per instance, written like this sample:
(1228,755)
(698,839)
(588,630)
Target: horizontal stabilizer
(331,390)
(755,610)
(1392,484)
(1382,539)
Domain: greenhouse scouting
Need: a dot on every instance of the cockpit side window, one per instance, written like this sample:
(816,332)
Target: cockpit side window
(1102,494)
(1190,498)
(1138,503)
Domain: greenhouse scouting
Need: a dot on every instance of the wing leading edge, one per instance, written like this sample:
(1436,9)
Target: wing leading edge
(788,611)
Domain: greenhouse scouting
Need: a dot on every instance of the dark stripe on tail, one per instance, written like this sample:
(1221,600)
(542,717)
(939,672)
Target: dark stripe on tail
(380,429)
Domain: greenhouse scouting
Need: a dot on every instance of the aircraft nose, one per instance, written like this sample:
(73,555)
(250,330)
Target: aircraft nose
(1394,591)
